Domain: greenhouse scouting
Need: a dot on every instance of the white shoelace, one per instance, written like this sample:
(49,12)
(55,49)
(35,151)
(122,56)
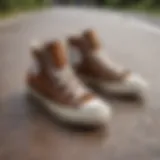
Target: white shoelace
(72,84)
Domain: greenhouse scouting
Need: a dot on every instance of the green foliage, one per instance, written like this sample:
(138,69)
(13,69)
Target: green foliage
(145,4)
(7,5)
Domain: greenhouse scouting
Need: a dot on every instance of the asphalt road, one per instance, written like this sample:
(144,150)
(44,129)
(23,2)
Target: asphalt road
(27,133)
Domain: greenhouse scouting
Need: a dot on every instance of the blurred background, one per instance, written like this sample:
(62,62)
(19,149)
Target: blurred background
(16,5)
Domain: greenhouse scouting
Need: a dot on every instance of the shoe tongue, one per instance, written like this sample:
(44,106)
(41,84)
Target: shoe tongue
(57,54)
(92,40)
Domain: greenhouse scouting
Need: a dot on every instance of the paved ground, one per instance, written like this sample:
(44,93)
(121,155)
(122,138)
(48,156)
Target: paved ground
(28,133)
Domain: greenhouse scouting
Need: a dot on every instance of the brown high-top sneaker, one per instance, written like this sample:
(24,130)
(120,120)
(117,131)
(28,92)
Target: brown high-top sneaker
(54,84)
(97,69)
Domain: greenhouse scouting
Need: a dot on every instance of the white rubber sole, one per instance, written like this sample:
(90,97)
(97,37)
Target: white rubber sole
(131,87)
(96,113)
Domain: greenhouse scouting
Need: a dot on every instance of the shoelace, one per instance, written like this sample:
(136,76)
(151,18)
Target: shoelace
(73,85)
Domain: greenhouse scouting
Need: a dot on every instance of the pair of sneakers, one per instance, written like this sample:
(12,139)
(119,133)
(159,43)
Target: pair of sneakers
(61,87)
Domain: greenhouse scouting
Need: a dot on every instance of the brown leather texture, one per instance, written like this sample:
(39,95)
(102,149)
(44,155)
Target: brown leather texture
(91,39)
(57,54)
(95,70)
(45,83)
(78,42)
(87,44)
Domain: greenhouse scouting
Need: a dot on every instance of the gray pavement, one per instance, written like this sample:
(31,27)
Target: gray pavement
(27,133)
